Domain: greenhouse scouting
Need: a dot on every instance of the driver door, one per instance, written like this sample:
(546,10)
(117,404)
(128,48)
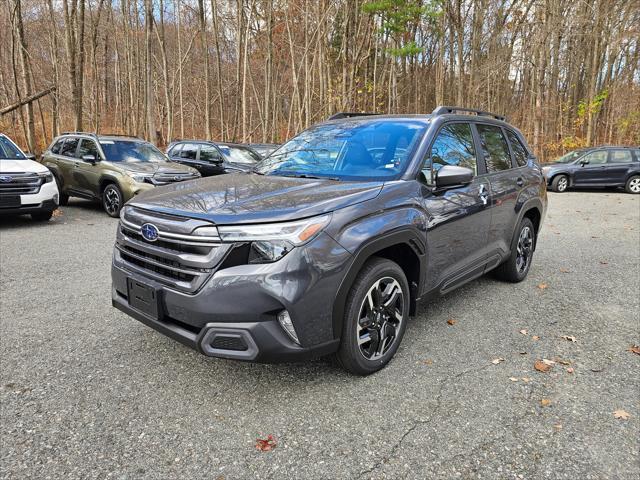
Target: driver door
(591,169)
(460,218)
(86,175)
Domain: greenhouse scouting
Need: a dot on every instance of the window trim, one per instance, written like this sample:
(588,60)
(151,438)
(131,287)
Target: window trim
(427,154)
(610,156)
(514,162)
(75,152)
(480,148)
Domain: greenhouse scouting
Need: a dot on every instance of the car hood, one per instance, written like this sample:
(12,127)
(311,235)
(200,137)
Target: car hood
(253,198)
(155,167)
(20,166)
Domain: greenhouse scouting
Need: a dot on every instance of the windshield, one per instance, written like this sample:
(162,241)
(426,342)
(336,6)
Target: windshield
(569,157)
(352,150)
(8,151)
(131,151)
(237,154)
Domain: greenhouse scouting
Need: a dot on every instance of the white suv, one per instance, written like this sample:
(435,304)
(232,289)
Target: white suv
(26,186)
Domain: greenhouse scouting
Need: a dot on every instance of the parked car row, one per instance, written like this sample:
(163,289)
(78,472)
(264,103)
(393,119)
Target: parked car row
(110,169)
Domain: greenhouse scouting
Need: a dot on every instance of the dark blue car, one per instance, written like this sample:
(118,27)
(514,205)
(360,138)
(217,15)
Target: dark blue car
(212,158)
(595,167)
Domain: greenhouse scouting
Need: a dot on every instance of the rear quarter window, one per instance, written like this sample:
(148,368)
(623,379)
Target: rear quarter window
(520,153)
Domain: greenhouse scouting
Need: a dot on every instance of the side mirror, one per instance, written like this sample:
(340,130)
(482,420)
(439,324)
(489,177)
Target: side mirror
(89,159)
(217,160)
(29,156)
(584,162)
(450,175)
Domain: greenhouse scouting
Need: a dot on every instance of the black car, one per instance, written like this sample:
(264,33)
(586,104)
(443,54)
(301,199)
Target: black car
(213,158)
(327,245)
(604,166)
(264,149)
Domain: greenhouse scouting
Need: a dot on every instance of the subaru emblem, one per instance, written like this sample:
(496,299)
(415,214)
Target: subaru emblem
(149,232)
(6,178)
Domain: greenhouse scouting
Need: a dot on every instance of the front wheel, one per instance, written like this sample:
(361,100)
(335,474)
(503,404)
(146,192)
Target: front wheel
(112,200)
(560,183)
(517,266)
(633,184)
(376,315)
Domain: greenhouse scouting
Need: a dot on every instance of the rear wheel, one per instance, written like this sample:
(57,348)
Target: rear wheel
(42,216)
(376,317)
(560,183)
(516,268)
(633,184)
(112,200)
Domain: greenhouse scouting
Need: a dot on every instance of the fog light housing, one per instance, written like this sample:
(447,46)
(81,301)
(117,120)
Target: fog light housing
(285,322)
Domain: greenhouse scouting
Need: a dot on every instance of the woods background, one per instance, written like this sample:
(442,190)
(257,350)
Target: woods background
(566,72)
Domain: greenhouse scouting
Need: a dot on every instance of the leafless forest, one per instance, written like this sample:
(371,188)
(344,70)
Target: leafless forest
(566,72)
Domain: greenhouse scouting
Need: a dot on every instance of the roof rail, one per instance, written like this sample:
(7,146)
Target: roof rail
(340,115)
(441,110)
(79,133)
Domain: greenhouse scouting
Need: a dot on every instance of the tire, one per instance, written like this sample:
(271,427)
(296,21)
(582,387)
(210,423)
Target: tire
(42,216)
(633,184)
(522,245)
(112,200)
(560,183)
(366,316)
(63,198)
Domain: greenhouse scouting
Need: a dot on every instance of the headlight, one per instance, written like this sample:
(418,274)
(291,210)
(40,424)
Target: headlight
(46,177)
(138,177)
(272,241)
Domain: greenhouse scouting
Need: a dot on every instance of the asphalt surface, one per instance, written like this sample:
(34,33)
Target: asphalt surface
(87,392)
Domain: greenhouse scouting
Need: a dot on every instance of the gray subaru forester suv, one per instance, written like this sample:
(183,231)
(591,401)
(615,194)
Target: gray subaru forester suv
(326,246)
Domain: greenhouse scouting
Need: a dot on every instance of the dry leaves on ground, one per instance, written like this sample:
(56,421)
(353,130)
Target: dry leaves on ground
(451,321)
(634,349)
(602,262)
(545,402)
(523,331)
(267,444)
(57,213)
(565,270)
(542,366)
(570,370)
(498,360)
(535,337)
(621,414)
(569,338)
(542,286)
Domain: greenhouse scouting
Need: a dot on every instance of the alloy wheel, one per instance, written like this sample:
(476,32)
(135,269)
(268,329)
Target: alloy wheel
(524,249)
(563,183)
(380,318)
(634,185)
(111,200)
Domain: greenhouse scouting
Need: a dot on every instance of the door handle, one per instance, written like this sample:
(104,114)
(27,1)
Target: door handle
(483,194)
(520,182)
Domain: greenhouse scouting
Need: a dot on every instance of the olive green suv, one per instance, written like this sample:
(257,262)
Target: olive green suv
(109,168)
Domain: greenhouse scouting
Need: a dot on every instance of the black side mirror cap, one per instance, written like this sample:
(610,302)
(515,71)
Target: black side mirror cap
(584,162)
(451,175)
(29,156)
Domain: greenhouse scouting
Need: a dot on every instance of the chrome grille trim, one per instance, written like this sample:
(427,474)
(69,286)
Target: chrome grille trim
(21,184)
(195,239)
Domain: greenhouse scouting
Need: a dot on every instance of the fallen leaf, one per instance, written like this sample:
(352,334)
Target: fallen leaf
(513,379)
(536,337)
(569,338)
(634,349)
(523,331)
(564,270)
(570,370)
(548,362)
(451,321)
(526,379)
(542,286)
(557,426)
(541,366)
(57,213)
(621,414)
(522,352)
(594,236)
(597,370)
(545,402)
(498,360)
(267,444)
(427,362)
(562,362)
(602,262)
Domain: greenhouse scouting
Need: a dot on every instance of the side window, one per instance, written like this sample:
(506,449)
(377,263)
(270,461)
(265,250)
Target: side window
(209,153)
(88,147)
(452,146)
(175,150)
(519,152)
(495,148)
(637,154)
(69,147)
(57,147)
(620,156)
(189,151)
(595,158)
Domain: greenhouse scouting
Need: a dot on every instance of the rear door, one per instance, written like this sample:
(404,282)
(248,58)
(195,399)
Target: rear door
(66,159)
(210,161)
(459,217)
(187,154)
(591,169)
(505,182)
(618,164)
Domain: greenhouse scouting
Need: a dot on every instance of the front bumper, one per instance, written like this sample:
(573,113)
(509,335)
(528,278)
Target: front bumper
(237,307)
(45,200)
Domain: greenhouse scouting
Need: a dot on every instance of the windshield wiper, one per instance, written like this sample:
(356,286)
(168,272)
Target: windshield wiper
(305,175)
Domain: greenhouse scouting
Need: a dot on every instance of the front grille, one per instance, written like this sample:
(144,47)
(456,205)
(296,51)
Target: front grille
(165,178)
(20,183)
(176,259)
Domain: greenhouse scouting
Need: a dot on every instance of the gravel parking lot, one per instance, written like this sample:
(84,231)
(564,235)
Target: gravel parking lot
(87,392)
